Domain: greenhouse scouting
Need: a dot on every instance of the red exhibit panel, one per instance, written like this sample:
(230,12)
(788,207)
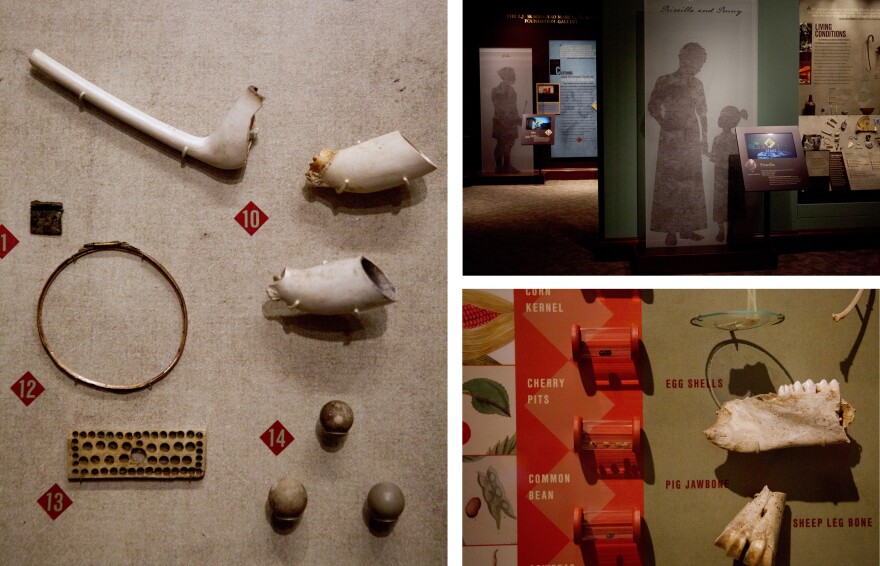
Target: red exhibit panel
(580,495)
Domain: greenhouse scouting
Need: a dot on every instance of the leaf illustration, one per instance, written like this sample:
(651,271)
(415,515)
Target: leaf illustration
(487,396)
(502,447)
(506,446)
(482,361)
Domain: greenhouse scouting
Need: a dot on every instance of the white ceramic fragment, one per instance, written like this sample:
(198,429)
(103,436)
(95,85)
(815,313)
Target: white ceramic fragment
(757,527)
(226,147)
(338,287)
(799,415)
(371,166)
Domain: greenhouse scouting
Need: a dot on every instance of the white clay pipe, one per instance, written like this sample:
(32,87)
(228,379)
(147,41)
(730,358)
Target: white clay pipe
(226,148)
(338,287)
(371,166)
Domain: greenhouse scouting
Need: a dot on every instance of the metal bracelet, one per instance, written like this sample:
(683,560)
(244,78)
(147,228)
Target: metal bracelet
(117,247)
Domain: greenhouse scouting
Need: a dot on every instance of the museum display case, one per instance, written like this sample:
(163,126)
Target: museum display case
(751,433)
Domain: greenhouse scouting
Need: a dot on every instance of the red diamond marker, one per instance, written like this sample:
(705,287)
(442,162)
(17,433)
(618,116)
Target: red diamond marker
(54,501)
(277,438)
(7,241)
(27,388)
(251,218)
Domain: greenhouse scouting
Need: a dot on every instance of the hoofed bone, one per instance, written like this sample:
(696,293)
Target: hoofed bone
(227,147)
(801,414)
(375,165)
(756,526)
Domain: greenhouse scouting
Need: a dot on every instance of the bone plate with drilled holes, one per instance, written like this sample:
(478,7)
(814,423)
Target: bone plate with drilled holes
(150,454)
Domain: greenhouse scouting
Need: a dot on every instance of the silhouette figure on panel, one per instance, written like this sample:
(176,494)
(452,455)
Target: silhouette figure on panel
(505,121)
(723,146)
(678,103)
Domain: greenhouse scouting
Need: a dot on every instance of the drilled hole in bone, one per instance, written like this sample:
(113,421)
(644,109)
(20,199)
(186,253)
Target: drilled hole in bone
(198,435)
(154,434)
(163,434)
(95,459)
(94,471)
(151,447)
(113,471)
(187,460)
(190,434)
(109,460)
(178,445)
(119,435)
(100,434)
(137,435)
(172,434)
(129,435)
(123,458)
(75,434)
(100,445)
(91,434)
(138,455)
(112,445)
(190,446)
(139,443)
(175,459)
(163,460)
(152,460)
(87,445)
(164,447)
(126,445)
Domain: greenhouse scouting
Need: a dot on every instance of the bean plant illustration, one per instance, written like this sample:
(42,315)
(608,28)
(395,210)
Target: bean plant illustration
(494,495)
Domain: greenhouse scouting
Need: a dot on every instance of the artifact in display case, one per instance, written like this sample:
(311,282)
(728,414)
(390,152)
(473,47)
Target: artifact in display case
(227,147)
(346,286)
(375,165)
(606,526)
(752,535)
(333,425)
(287,501)
(46,218)
(384,505)
(607,435)
(158,454)
(129,249)
(609,351)
(801,414)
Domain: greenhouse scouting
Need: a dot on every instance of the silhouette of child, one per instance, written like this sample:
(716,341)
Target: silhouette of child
(723,146)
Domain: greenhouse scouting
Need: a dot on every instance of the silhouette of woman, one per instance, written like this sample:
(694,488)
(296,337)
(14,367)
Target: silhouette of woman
(505,121)
(678,103)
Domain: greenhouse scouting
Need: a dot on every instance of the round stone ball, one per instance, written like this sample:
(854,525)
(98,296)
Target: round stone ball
(385,502)
(336,416)
(288,498)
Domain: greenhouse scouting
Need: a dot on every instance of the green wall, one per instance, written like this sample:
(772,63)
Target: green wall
(623,121)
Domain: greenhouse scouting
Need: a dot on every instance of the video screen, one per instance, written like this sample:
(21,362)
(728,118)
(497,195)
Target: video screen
(538,123)
(770,146)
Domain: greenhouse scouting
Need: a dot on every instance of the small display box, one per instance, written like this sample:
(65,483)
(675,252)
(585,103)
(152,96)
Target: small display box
(612,353)
(607,435)
(607,526)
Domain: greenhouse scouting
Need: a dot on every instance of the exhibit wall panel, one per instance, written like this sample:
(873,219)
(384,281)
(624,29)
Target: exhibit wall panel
(777,104)
(506,93)
(622,130)
(700,83)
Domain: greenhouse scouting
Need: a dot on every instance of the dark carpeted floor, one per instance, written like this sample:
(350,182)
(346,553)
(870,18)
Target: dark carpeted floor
(552,229)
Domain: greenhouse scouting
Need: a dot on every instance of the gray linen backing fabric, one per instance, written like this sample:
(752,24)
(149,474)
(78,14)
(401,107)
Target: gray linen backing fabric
(333,73)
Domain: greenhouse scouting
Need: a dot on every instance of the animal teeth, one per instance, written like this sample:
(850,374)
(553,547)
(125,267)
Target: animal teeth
(798,388)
